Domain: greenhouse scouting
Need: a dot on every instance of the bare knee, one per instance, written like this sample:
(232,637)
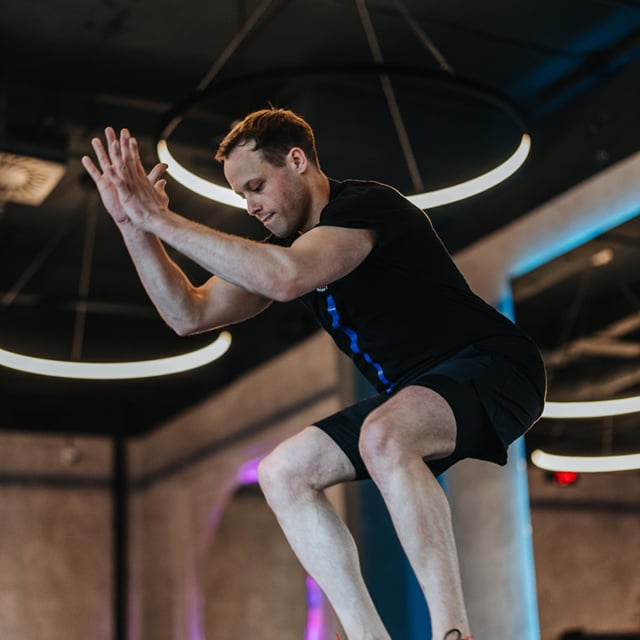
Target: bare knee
(279,478)
(380,446)
(387,444)
(289,471)
(415,425)
(385,452)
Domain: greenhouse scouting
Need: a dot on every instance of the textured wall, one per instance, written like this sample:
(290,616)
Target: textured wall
(250,562)
(55,538)
(587,552)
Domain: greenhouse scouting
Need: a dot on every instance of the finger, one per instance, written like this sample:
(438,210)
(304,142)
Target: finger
(111,143)
(101,154)
(134,157)
(160,187)
(116,155)
(91,168)
(128,157)
(110,134)
(157,172)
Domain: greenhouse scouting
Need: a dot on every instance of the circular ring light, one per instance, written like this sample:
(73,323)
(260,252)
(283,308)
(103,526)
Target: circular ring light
(117,370)
(585,464)
(429,199)
(595,409)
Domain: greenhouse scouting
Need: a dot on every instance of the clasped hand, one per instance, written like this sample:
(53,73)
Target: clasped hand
(127,192)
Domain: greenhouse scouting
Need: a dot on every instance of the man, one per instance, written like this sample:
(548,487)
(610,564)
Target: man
(455,379)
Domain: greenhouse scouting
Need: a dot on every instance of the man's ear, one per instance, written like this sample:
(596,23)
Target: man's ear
(297,159)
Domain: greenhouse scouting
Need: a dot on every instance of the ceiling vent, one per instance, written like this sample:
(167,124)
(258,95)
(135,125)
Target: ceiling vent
(26,180)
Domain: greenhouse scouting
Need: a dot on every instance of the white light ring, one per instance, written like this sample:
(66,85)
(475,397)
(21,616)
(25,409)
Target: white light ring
(195,183)
(118,370)
(596,409)
(585,464)
(473,187)
(426,200)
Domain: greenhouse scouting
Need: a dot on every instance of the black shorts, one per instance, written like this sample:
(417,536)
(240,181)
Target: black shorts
(494,399)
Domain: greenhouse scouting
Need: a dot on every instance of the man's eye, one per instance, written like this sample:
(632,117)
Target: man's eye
(258,187)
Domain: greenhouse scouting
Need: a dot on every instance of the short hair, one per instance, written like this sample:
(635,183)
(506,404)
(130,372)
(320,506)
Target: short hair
(275,132)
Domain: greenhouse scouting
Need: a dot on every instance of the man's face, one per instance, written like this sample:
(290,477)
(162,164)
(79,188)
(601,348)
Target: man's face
(277,196)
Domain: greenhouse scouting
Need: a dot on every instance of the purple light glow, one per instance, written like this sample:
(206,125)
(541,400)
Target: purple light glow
(315,600)
(248,472)
(194,620)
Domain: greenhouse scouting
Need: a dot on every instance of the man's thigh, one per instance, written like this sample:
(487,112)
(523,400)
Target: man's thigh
(418,420)
(442,411)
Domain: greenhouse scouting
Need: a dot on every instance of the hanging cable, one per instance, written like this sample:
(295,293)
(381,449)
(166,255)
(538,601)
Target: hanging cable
(33,267)
(83,284)
(424,38)
(216,67)
(390,96)
(443,76)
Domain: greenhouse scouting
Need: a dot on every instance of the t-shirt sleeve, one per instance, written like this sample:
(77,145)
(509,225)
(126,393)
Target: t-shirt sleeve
(370,206)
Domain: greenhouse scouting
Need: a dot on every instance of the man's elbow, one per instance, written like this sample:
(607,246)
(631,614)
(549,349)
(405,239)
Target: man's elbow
(288,287)
(183,330)
(286,292)
(183,325)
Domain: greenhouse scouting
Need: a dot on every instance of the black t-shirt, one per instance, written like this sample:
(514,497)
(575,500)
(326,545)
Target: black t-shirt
(406,307)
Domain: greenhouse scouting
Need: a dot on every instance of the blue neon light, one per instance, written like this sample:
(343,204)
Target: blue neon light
(522,512)
(572,239)
(353,337)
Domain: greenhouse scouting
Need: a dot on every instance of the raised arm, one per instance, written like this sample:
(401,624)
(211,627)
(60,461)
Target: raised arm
(320,256)
(184,307)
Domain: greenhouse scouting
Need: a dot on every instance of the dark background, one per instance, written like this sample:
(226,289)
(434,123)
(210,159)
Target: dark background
(570,70)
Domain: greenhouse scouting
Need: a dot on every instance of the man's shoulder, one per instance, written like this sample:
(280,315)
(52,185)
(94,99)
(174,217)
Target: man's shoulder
(362,189)
(376,199)
(374,205)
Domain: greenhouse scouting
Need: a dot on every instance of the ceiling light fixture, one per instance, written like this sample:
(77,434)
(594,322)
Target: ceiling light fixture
(473,187)
(426,200)
(117,370)
(76,368)
(585,464)
(605,256)
(195,183)
(594,409)
(444,77)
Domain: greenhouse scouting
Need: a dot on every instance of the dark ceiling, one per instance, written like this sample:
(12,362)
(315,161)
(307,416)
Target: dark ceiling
(463,73)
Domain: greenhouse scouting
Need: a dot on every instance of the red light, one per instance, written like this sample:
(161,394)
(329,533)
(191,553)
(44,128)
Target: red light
(565,478)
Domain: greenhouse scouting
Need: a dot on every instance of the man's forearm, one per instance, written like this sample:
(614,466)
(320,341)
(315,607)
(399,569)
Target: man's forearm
(257,267)
(165,283)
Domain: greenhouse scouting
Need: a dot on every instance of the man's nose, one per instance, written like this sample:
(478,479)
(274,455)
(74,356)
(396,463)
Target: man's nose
(253,207)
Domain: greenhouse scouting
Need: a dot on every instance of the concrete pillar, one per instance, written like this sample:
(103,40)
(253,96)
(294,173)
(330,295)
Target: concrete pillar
(490,510)
(492,523)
